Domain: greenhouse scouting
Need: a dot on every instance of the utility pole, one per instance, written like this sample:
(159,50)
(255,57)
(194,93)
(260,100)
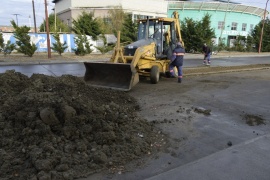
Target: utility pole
(47,30)
(34,15)
(16,18)
(260,45)
(223,27)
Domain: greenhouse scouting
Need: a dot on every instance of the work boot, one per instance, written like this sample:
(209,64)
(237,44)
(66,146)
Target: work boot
(179,80)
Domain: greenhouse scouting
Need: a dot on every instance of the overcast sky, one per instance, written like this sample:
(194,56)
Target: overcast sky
(24,10)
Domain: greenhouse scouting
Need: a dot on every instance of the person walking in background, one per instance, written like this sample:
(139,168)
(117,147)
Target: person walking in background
(177,61)
(207,53)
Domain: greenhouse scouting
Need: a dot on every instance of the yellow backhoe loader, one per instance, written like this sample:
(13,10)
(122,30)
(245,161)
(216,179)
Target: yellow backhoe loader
(149,56)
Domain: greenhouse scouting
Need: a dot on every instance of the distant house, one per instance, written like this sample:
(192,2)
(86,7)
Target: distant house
(6,29)
(67,10)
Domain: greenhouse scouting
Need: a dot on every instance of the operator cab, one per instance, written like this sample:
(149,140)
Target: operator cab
(161,32)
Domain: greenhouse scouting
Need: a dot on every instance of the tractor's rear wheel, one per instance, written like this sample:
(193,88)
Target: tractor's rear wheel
(154,75)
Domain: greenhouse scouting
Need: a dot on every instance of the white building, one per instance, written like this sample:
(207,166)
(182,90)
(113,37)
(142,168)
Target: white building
(67,10)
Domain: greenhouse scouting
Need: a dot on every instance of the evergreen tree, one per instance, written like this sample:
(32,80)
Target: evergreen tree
(88,25)
(188,31)
(58,46)
(6,48)
(196,33)
(256,34)
(106,47)
(60,26)
(23,40)
(83,45)
(1,41)
(205,32)
(129,30)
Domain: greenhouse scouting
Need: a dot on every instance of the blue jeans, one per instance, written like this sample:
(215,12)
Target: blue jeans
(179,69)
(207,57)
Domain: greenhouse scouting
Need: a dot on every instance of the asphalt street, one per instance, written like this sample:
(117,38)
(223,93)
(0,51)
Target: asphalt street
(205,157)
(58,68)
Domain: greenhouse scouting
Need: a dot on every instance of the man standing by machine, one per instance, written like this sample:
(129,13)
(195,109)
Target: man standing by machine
(177,61)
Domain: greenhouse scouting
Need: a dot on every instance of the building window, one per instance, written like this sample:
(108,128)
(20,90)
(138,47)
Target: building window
(251,27)
(220,24)
(138,16)
(244,27)
(135,17)
(107,20)
(234,26)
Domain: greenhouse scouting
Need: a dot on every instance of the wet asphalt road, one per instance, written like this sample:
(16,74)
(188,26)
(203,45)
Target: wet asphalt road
(205,156)
(78,69)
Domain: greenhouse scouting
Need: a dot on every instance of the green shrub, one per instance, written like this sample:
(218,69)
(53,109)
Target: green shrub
(83,46)
(58,46)
(23,40)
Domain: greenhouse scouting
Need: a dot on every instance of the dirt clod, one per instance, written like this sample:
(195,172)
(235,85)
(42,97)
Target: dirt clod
(202,110)
(60,128)
(253,120)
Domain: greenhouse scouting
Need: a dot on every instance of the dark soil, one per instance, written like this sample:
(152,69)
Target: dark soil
(253,120)
(60,128)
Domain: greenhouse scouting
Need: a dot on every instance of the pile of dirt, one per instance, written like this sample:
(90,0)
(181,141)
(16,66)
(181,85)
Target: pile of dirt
(60,128)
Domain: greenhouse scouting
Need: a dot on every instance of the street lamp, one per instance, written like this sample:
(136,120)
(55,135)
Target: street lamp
(16,18)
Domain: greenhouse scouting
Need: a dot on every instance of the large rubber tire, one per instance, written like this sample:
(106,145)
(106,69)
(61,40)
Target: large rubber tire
(154,75)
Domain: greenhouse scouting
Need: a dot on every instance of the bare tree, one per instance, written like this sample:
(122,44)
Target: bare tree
(117,17)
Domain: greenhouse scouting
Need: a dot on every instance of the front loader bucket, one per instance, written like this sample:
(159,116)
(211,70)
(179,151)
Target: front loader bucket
(111,75)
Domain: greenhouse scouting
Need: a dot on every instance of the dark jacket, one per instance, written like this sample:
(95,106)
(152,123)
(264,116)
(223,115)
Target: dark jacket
(177,60)
(207,50)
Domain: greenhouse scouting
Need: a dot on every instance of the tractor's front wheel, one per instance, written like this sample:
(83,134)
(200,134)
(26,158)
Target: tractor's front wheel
(154,75)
